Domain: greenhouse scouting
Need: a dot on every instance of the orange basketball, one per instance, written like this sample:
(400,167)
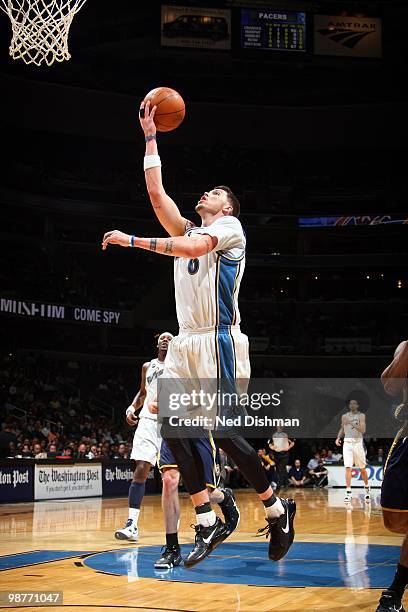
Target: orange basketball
(170,109)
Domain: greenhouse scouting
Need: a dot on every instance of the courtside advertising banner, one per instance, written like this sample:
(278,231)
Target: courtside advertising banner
(337,476)
(16,483)
(202,28)
(347,36)
(67,481)
(117,478)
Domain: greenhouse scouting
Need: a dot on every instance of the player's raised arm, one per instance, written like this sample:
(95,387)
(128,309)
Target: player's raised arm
(164,207)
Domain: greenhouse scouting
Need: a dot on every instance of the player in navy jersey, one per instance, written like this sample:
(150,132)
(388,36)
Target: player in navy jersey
(394,490)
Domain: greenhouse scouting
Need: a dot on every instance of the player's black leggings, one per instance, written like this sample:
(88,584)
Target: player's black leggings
(191,466)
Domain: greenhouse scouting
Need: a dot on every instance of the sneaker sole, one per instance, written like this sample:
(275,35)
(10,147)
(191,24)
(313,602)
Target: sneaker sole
(121,536)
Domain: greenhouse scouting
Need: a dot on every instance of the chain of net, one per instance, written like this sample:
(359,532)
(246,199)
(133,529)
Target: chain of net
(40,29)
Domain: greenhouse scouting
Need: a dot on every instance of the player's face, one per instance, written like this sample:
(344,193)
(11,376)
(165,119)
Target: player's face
(213,201)
(164,342)
(353,405)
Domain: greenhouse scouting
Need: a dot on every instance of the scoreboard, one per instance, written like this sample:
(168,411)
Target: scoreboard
(267,29)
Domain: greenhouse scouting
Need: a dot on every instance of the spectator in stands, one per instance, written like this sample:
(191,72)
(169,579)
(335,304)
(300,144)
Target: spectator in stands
(298,475)
(314,461)
(281,445)
(67,453)
(81,454)
(7,436)
(26,452)
(52,451)
(269,466)
(329,457)
(94,452)
(319,475)
(378,457)
(39,452)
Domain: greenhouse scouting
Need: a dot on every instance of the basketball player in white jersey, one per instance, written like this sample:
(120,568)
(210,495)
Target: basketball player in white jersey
(147,448)
(209,263)
(353,427)
(146,441)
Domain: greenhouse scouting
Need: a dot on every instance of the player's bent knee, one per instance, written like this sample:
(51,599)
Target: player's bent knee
(170,479)
(141,472)
(397,522)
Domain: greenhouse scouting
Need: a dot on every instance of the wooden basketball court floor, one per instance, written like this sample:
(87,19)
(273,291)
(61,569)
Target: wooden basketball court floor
(341,559)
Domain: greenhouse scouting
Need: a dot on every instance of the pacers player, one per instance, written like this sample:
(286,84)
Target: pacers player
(394,491)
(209,263)
(353,426)
(147,446)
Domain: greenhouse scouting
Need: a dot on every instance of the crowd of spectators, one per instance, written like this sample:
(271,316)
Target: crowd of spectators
(66,410)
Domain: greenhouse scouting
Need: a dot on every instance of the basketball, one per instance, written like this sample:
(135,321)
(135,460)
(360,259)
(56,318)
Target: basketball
(170,109)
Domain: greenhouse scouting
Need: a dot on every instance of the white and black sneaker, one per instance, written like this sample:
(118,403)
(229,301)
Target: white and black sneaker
(230,511)
(171,557)
(129,532)
(206,540)
(367,496)
(280,531)
(347,497)
(390,602)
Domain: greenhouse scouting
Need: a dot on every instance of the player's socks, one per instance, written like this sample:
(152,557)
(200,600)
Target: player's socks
(172,539)
(367,492)
(273,507)
(134,514)
(205,515)
(400,580)
(347,497)
(130,530)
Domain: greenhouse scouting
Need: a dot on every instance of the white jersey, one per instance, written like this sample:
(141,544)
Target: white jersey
(351,434)
(154,370)
(207,288)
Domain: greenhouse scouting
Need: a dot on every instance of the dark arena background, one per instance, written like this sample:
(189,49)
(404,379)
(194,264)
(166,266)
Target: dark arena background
(299,107)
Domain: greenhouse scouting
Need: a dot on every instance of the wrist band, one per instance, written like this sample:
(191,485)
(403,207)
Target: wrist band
(130,409)
(151,161)
(150,137)
(132,241)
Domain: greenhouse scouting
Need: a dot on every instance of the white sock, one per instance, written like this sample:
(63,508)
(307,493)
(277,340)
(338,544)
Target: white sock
(134,515)
(206,519)
(276,510)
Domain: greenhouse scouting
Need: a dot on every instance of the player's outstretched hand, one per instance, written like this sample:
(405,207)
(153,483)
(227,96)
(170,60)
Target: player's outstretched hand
(146,118)
(115,237)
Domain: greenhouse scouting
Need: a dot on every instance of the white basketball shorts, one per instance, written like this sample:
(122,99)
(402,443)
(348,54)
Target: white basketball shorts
(146,441)
(354,454)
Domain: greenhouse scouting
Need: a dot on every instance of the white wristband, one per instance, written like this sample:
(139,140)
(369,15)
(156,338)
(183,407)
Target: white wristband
(151,161)
(131,409)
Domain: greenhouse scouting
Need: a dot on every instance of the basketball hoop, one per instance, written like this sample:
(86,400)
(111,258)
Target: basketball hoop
(40,29)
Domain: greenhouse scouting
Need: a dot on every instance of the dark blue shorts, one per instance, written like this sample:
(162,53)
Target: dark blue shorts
(394,490)
(208,453)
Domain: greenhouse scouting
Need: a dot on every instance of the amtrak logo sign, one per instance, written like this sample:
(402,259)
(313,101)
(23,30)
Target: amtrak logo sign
(347,36)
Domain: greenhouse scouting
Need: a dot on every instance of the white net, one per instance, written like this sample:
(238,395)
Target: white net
(40,29)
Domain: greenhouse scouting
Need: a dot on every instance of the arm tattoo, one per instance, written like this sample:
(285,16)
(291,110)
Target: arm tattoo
(153,244)
(169,246)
